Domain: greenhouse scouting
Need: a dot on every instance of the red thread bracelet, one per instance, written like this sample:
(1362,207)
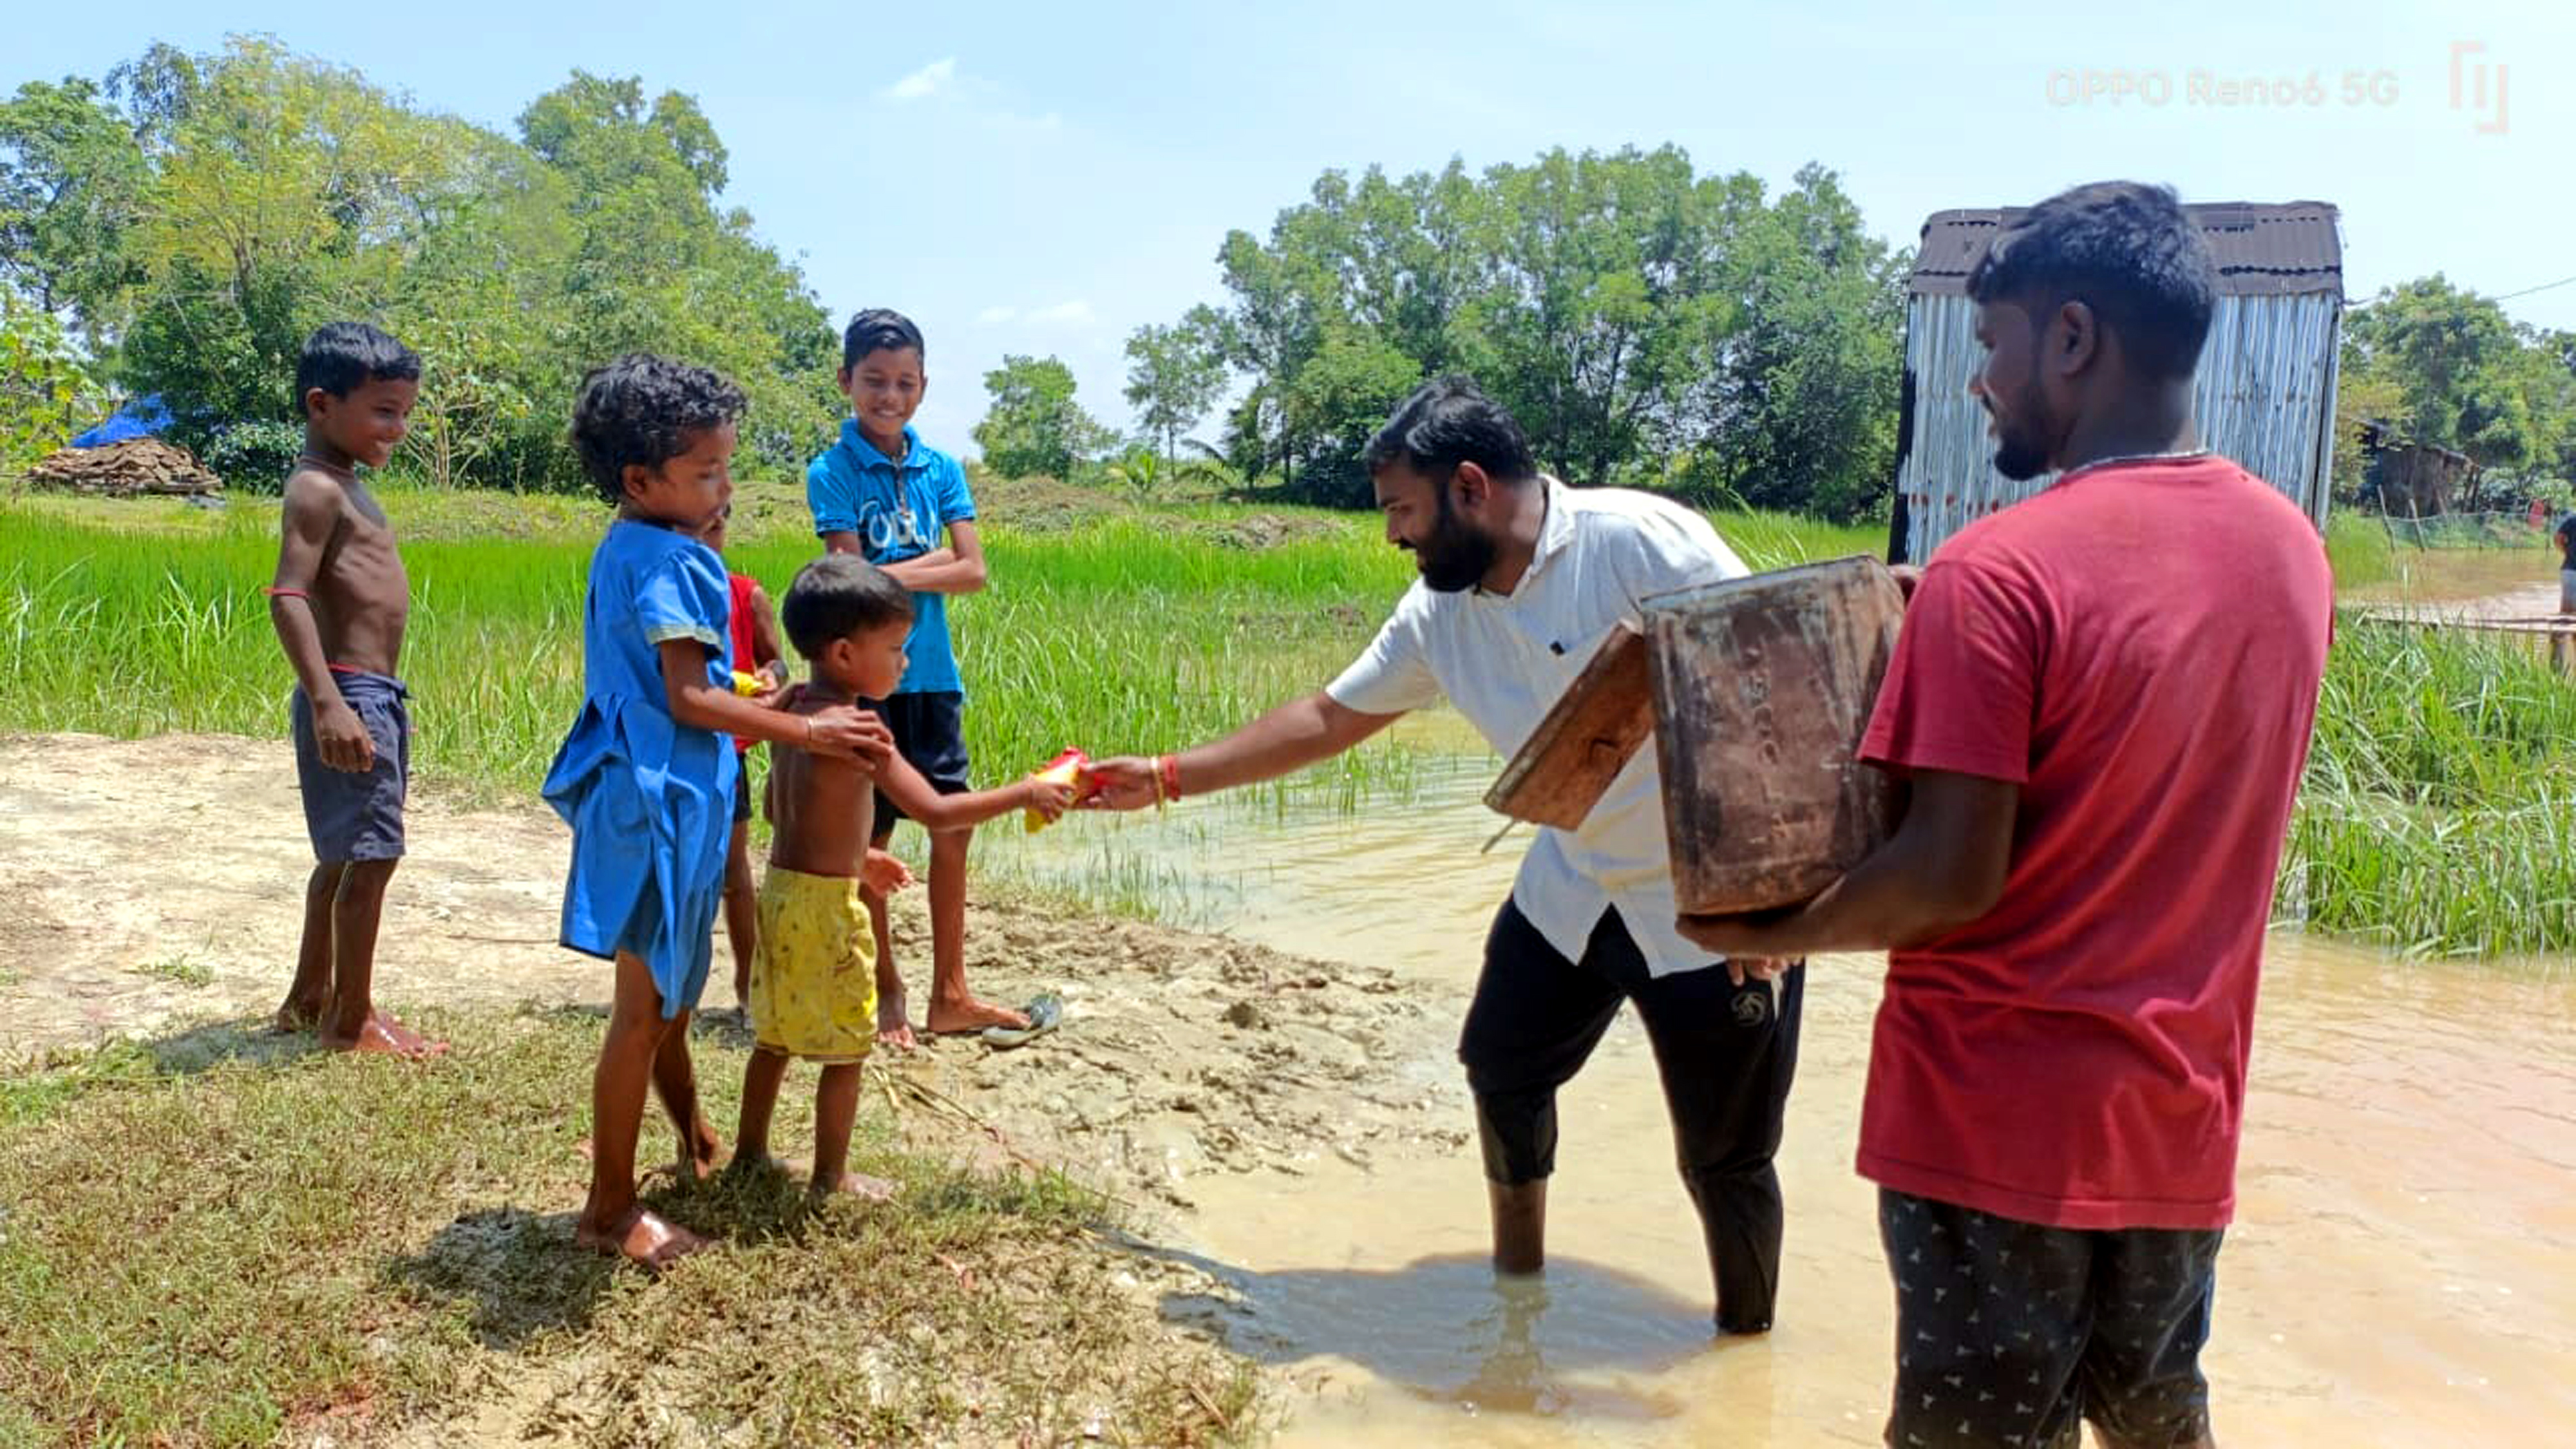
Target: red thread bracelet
(1171,771)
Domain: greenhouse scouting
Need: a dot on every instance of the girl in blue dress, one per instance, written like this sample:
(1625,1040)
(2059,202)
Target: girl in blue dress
(646,778)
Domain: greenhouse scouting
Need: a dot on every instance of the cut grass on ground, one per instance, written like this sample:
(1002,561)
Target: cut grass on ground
(226,1238)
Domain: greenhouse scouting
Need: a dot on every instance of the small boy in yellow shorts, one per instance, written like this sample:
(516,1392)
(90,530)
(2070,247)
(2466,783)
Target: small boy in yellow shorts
(813,972)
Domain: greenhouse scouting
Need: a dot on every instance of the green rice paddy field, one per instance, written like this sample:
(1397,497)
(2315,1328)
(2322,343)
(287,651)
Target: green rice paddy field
(2436,818)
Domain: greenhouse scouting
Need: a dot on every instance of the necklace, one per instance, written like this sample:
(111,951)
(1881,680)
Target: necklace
(2177,453)
(337,470)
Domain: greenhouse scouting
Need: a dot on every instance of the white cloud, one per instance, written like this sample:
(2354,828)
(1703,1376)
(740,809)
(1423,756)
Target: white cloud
(1074,313)
(992,315)
(928,80)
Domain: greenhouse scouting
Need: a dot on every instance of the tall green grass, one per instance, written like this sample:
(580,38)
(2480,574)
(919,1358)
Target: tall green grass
(1128,635)
(1766,540)
(1136,631)
(2359,549)
(2438,816)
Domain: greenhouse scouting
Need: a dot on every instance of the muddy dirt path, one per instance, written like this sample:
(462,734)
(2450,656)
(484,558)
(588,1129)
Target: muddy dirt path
(150,885)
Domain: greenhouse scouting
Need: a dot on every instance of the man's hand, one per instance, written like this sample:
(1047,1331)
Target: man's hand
(848,733)
(1123,783)
(342,738)
(1740,969)
(1909,577)
(1748,941)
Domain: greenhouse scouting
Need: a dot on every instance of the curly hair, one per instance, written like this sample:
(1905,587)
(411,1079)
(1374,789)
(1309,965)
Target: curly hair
(645,410)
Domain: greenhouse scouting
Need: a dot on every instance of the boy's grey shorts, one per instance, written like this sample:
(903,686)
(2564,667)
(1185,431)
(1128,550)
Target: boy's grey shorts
(354,816)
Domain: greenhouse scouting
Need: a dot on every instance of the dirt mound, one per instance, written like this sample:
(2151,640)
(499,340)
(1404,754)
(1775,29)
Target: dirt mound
(136,466)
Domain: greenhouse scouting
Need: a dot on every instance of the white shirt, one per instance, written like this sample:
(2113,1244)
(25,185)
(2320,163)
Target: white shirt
(1503,660)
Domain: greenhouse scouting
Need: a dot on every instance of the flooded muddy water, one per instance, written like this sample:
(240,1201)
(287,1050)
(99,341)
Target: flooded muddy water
(2402,1270)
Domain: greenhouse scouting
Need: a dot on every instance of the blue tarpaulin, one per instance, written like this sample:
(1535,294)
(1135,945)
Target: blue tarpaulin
(140,418)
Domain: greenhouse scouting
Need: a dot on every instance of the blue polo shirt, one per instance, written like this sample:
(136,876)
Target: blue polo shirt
(899,511)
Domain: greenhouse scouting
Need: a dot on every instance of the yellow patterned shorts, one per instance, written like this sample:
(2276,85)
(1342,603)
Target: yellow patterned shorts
(814,974)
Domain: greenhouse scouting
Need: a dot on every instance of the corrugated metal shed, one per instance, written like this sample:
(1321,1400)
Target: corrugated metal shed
(2264,396)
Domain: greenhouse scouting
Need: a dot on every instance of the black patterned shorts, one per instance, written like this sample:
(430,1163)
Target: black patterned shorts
(2010,1334)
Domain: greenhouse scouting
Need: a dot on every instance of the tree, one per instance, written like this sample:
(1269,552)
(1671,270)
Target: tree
(1628,310)
(71,182)
(1803,413)
(46,394)
(1174,375)
(241,198)
(1338,400)
(2466,375)
(1034,427)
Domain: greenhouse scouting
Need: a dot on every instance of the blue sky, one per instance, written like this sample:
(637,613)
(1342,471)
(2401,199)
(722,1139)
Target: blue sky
(1043,179)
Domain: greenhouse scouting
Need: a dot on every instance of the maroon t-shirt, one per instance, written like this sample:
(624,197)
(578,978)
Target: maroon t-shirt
(2139,649)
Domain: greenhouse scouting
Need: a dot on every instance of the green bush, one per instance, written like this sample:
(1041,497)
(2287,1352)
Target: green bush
(255,457)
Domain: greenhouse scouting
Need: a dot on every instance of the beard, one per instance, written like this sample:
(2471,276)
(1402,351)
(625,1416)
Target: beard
(1455,556)
(2020,452)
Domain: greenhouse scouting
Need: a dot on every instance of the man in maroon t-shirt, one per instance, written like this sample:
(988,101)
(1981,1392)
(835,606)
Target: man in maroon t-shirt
(2100,702)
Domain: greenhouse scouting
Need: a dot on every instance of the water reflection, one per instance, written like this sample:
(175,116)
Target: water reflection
(1450,1331)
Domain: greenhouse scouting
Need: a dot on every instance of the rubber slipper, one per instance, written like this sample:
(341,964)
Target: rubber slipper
(1045,1013)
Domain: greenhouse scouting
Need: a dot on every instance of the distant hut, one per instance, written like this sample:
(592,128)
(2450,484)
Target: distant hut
(2266,389)
(2407,479)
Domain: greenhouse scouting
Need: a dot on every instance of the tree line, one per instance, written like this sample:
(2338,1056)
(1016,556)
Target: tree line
(1649,325)
(177,226)
(2433,363)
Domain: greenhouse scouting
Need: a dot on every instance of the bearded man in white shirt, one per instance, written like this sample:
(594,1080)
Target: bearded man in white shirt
(1521,579)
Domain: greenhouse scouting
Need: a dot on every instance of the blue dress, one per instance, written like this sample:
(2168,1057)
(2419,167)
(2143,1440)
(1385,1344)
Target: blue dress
(650,801)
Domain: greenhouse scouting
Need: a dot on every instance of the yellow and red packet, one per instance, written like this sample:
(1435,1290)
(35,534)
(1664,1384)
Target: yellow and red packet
(1064,769)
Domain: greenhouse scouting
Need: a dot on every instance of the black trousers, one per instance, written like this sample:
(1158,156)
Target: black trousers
(1725,1053)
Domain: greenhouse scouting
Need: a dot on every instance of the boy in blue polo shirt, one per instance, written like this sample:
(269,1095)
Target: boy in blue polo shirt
(883,494)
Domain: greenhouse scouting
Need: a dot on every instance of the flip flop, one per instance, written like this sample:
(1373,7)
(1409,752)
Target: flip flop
(1045,1013)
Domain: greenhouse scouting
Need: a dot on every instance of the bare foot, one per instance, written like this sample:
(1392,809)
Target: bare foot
(950,1018)
(894,1026)
(418,1044)
(641,1238)
(858,1185)
(381,1035)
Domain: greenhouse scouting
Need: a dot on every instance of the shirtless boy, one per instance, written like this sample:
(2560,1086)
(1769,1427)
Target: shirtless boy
(813,975)
(339,602)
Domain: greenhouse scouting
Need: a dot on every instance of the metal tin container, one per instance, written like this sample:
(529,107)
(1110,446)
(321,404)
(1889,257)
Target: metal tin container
(1762,687)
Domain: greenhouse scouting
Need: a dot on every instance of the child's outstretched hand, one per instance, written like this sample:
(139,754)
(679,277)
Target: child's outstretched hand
(883,873)
(849,733)
(1050,798)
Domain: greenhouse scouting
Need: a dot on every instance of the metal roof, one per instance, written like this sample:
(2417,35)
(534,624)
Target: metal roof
(2261,250)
